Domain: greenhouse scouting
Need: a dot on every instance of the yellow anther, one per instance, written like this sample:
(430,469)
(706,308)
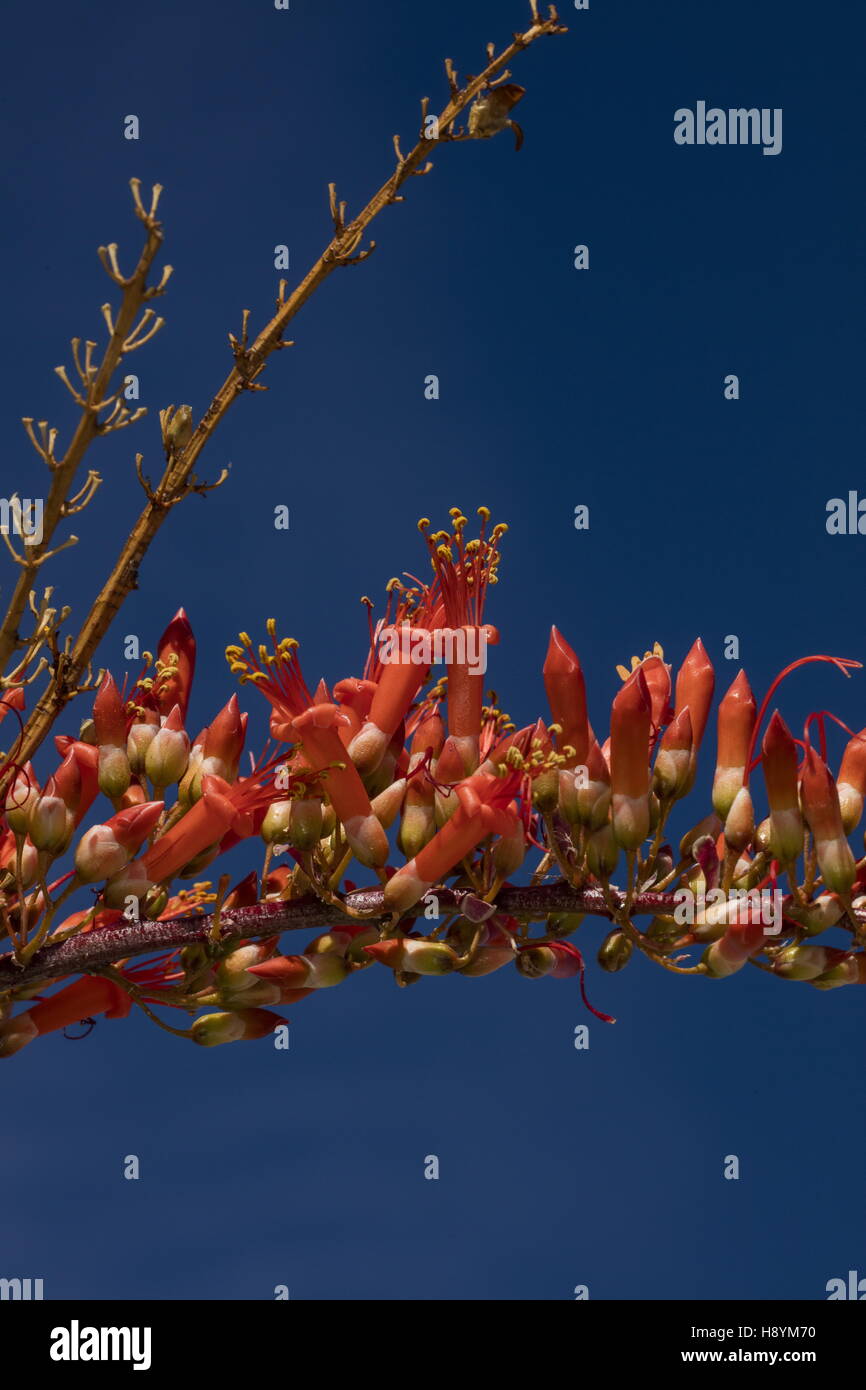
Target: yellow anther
(245,638)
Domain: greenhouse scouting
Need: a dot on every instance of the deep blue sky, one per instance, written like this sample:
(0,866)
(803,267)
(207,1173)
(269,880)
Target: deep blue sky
(558,1167)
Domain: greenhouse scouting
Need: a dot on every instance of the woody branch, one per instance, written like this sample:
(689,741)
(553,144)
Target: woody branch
(95,951)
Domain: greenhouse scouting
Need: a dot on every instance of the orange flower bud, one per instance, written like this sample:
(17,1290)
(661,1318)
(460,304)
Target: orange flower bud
(696,682)
(822,811)
(138,740)
(321,970)
(224,741)
(566,695)
(726,957)
(851,782)
(630,725)
(850,970)
(740,821)
(317,729)
(779,762)
(736,722)
(241,1025)
(803,962)
(657,675)
(109,720)
(104,850)
(584,791)
(509,850)
(176,661)
(673,760)
(602,852)
(51,823)
(416,956)
(495,950)
(386,806)
(167,755)
(21,796)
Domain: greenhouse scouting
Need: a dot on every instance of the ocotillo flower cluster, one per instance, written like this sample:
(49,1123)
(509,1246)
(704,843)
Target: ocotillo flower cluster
(487,843)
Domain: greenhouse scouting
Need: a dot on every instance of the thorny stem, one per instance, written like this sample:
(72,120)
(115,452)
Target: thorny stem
(94,951)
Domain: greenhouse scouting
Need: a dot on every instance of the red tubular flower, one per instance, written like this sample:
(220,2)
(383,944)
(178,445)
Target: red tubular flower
(354,697)
(402,676)
(737,717)
(317,730)
(276,674)
(20,798)
(204,825)
(566,695)
(821,809)
(175,658)
(481,811)
(779,762)
(851,782)
(464,571)
(696,682)
(630,724)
